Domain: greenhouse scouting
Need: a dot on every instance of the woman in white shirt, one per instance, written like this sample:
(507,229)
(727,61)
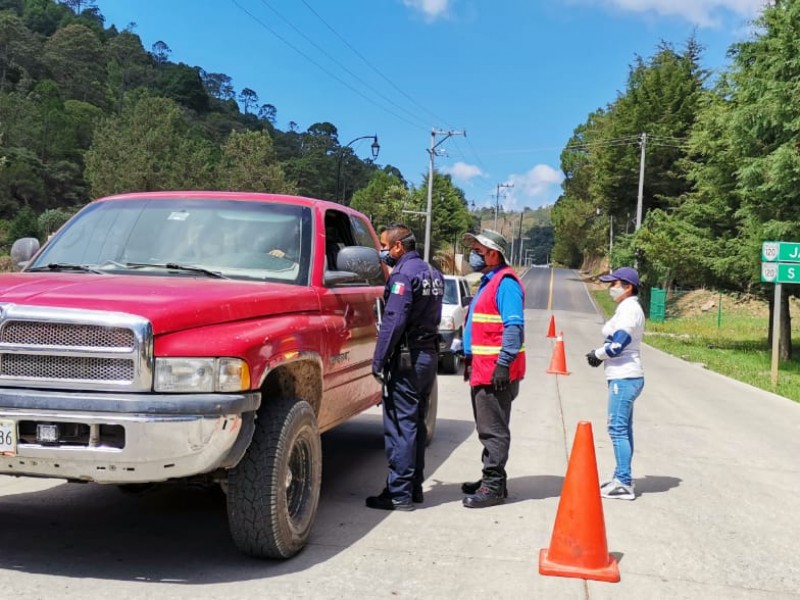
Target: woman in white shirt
(623,369)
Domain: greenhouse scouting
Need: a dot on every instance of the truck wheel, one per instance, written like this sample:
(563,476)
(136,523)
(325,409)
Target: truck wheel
(273,492)
(430,418)
(449,362)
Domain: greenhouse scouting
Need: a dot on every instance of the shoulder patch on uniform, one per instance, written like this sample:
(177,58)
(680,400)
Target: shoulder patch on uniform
(398,287)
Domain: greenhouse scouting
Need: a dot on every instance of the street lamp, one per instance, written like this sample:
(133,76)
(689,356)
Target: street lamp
(375,147)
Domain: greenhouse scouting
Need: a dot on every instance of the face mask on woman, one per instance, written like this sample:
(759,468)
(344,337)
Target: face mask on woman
(616,291)
(476,261)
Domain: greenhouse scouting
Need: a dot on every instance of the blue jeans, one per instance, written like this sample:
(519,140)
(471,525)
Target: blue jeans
(621,395)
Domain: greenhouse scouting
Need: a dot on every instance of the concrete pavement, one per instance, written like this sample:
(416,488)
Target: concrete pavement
(716,468)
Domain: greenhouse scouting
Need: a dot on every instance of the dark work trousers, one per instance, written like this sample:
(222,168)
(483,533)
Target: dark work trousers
(492,412)
(404,412)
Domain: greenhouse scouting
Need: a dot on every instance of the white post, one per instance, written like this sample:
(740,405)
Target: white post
(776,333)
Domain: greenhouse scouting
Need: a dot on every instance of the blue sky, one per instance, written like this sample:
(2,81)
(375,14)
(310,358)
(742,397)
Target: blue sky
(517,75)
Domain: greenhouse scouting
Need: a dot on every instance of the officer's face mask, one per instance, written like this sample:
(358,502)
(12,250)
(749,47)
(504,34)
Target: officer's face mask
(477,261)
(387,258)
(616,292)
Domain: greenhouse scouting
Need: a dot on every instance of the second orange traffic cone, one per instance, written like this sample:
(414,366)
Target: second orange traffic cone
(551,331)
(558,362)
(578,547)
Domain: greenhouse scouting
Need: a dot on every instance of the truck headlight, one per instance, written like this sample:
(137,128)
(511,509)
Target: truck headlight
(447,324)
(201,375)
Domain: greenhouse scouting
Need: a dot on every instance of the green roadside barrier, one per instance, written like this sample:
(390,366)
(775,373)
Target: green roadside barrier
(658,305)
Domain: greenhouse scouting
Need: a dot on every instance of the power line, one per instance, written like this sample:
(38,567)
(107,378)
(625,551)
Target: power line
(320,67)
(371,66)
(339,64)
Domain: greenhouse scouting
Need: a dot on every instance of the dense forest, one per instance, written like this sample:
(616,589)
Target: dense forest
(87,111)
(721,165)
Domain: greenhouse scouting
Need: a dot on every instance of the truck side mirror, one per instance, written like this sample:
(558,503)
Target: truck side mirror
(465,301)
(356,265)
(22,251)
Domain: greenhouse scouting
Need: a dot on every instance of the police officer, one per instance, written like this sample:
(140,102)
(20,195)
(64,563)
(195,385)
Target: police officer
(494,361)
(405,361)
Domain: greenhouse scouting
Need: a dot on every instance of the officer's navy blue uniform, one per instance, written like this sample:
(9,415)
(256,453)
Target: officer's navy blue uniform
(413,298)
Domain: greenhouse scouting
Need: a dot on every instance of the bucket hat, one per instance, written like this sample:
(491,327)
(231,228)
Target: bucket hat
(490,239)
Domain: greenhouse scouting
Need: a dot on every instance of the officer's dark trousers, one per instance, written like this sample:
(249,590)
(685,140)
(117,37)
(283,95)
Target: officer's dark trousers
(404,414)
(492,412)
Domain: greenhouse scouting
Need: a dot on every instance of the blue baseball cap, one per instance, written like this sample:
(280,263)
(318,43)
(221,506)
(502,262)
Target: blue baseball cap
(626,274)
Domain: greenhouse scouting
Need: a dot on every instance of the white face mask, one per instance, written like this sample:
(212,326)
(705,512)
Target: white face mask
(616,292)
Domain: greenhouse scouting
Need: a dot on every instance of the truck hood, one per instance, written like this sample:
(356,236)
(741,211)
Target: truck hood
(169,303)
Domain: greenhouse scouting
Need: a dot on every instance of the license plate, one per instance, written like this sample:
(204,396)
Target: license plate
(8,436)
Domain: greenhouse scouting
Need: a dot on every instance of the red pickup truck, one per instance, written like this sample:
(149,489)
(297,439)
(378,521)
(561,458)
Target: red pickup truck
(193,335)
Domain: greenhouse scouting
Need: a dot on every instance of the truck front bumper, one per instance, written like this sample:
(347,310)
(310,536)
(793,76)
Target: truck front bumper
(123,438)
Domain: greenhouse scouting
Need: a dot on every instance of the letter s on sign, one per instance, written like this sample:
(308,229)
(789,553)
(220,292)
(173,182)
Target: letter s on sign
(790,273)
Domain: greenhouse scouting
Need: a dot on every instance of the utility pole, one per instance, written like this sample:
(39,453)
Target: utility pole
(521,248)
(497,200)
(521,217)
(643,143)
(432,153)
(610,241)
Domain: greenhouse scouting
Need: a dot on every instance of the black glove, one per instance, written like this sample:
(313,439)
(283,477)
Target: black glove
(378,375)
(592,359)
(467,367)
(500,378)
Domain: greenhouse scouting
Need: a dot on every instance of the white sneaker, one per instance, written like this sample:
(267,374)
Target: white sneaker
(618,490)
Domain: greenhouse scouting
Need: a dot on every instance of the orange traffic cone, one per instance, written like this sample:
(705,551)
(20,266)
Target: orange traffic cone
(558,362)
(578,546)
(551,331)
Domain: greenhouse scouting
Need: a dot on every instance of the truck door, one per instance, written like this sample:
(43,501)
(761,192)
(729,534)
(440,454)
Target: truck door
(349,311)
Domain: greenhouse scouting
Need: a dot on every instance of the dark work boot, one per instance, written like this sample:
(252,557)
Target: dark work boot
(386,502)
(482,498)
(470,487)
(416,494)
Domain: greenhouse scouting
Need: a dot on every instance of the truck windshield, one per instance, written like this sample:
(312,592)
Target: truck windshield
(233,239)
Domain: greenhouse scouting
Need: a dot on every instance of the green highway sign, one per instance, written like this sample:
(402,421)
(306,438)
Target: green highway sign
(780,252)
(772,272)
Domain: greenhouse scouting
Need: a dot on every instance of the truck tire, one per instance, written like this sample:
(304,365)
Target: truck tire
(273,492)
(449,362)
(430,417)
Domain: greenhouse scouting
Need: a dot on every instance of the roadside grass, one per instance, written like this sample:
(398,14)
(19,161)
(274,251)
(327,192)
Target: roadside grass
(737,348)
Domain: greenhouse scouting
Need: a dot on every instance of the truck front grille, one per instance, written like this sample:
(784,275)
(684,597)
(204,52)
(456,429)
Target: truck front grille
(77,368)
(74,349)
(66,334)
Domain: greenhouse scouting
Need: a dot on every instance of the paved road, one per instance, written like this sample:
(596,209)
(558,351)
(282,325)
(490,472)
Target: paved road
(716,468)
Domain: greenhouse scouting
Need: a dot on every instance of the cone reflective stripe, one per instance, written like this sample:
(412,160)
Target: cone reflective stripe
(551,331)
(578,547)
(558,362)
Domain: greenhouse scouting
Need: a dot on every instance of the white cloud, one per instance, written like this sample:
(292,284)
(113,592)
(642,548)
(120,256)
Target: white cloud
(431,9)
(535,185)
(704,13)
(463,172)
